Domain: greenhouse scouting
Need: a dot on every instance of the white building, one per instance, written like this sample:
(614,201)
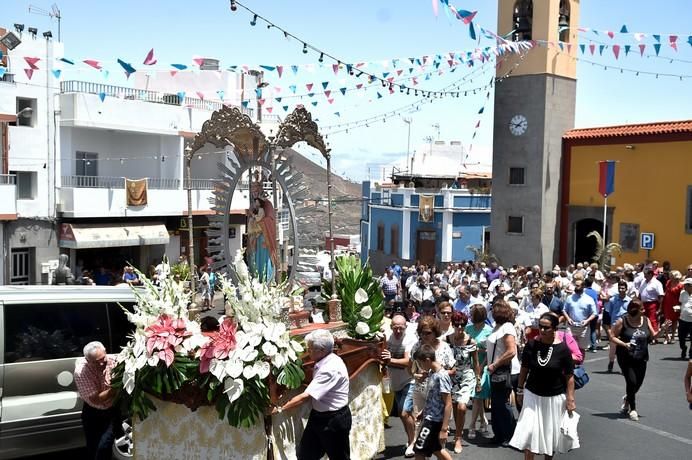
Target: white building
(75,202)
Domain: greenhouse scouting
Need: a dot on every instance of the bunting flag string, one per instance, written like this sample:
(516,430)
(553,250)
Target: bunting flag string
(637,36)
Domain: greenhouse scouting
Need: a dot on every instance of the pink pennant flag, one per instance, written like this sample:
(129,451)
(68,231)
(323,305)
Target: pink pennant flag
(330,100)
(269,109)
(616,51)
(32,62)
(200,95)
(391,90)
(280,70)
(610,33)
(415,81)
(29,73)
(246,68)
(569,48)
(390,79)
(260,101)
(335,67)
(642,47)
(327,93)
(309,86)
(399,72)
(173,73)
(92,63)
(359,86)
(450,62)
(198,60)
(673,42)
(360,64)
(435,7)
(478,123)
(277,89)
(150,59)
(592,48)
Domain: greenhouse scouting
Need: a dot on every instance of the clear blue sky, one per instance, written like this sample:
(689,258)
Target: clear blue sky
(374,30)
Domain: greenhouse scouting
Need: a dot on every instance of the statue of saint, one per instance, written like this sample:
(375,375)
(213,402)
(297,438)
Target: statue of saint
(263,256)
(62,275)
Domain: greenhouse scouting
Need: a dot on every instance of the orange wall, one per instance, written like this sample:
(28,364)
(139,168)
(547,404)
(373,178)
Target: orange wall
(651,183)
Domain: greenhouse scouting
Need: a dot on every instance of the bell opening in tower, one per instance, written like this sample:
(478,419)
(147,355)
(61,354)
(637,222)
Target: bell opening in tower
(563,21)
(522,20)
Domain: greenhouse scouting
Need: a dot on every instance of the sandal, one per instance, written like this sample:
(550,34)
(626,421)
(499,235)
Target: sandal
(457,446)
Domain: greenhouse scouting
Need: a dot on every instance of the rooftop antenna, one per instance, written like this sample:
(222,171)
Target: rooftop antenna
(54,13)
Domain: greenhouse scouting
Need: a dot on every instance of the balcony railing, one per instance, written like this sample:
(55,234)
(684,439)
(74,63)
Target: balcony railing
(8,179)
(154,183)
(201,184)
(75,86)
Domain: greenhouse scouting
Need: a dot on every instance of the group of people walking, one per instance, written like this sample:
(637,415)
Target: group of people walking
(512,340)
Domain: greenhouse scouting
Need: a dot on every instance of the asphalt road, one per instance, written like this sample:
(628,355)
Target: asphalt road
(663,431)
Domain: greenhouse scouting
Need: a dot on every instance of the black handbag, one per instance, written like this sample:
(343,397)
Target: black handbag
(502,375)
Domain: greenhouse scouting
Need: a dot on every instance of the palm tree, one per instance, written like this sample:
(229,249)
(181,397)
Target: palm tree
(604,252)
(482,254)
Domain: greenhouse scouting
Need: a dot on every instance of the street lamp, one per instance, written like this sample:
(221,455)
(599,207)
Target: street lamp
(408,121)
(328,156)
(191,241)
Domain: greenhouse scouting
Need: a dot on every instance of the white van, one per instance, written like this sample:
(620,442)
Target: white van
(43,330)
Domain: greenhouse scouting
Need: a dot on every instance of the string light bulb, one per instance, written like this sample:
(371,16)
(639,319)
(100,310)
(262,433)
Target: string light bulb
(234,7)
(305,48)
(254,21)
(321,59)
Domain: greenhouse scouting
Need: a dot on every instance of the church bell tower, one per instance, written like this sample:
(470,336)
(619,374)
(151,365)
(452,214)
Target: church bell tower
(534,106)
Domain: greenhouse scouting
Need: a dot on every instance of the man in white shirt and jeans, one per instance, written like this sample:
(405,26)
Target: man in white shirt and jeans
(685,322)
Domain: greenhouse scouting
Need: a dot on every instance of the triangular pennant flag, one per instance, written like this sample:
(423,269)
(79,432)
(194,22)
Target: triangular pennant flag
(198,60)
(385,74)
(379,96)
(92,63)
(627,49)
(638,36)
(657,38)
(481,110)
(179,66)
(561,45)
(338,114)
(325,84)
(102,96)
(657,47)
(129,70)
(569,48)
(624,30)
(32,62)
(181,96)
(616,51)
(349,68)
(327,93)
(56,73)
(582,47)
(2,71)
(269,109)
(610,34)
(261,101)
(67,61)
(478,123)
(311,94)
(285,107)
(245,103)
(279,70)
(472,31)
(673,39)
(150,59)
(399,72)
(220,94)
(314,103)
(268,68)
(335,68)
(600,49)
(343,91)
(232,68)
(258,93)
(277,99)
(308,86)
(173,72)
(293,88)
(105,73)
(359,85)
(200,94)
(689,40)
(330,100)
(642,47)
(294,68)
(592,48)
(29,73)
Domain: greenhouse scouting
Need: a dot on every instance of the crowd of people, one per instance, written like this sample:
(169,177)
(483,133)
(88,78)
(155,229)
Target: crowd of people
(514,339)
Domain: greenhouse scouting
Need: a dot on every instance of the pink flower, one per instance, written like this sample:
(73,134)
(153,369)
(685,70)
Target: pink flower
(220,346)
(164,335)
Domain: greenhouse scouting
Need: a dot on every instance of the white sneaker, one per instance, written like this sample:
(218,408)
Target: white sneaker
(409,451)
(625,408)
(634,416)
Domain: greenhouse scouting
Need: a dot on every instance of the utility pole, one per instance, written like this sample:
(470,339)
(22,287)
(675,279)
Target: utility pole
(408,121)
(328,156)
(191,241)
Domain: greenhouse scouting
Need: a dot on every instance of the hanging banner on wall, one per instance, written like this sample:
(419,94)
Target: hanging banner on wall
(426,208)
(136,191)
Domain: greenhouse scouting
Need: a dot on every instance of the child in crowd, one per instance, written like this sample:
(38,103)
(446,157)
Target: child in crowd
(432,435)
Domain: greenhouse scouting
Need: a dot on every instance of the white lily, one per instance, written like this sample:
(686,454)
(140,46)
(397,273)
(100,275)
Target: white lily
(297,346)
(129,381)
(262,369)
(233,388)
(249,372)
(361,296)
(362,328)
(153,360)
(269,349)
(234,368)
(366,312)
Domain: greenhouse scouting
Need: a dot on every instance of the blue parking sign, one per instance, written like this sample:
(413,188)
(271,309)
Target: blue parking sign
(647,241)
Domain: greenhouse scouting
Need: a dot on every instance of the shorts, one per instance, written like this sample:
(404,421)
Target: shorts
(428,439)
(399,402)
(408,400)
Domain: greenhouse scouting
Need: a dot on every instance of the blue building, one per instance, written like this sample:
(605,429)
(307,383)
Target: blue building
(431,220)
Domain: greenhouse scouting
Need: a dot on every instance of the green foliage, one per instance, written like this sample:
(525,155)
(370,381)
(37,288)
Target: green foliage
(351,276)
(604,252)
(292,375)
(181,272)
(482,254)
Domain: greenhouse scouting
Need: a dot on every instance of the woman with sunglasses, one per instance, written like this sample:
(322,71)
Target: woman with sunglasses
(444,310)
(466,379)
(479,331)
(546,386)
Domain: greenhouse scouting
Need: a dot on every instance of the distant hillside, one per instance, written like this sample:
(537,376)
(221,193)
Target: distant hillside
(312,218)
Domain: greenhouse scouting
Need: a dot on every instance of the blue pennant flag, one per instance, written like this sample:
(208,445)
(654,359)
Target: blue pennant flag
(314,103)
(582,47)
(311,94)
(379,96)
(102,96)
(67,61)
(657,47)
(600,49)
(349,68)
(258,93)
(481,110)
(245,104)
(220,93)
(179,66)
(294,68)
(657,38)
(325,84)
(181,96)
(277,99)
(268,68)
(57,73)
(343,91)
(2,71)
(385,74)
(285,108)
(627,49)
(338,114)
(105,74)
(624,29)
(292,88)
(472,31)
(129,70)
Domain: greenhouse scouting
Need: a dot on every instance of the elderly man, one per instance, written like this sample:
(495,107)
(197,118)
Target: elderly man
(397,355)
(329,423)
(420,291)
(651,295)
(92,375)
(463,302)
(390,285)
(580,310)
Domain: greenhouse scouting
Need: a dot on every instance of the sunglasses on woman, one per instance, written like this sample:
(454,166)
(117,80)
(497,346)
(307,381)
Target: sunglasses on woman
(459,325)
(543,327)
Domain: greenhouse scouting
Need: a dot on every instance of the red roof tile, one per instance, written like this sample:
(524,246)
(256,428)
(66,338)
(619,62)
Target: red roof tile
(645,129)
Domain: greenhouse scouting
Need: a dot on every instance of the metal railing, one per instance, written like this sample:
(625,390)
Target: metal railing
(201,184)
(76,86)
(154,183)
(8,179)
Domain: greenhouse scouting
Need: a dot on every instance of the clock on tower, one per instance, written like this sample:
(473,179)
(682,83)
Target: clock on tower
(534,106)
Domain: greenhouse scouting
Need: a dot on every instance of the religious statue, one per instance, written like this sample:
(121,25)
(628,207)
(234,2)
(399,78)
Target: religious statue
(62,275)
(263,256)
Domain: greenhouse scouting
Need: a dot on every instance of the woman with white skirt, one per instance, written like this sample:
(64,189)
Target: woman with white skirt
(546,385)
